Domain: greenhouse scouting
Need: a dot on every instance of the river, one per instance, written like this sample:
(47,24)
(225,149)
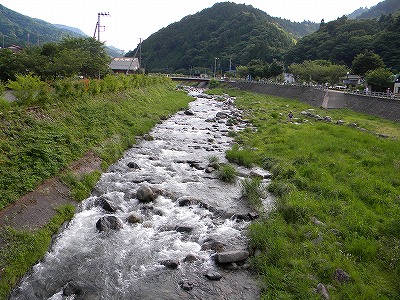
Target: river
(172,247)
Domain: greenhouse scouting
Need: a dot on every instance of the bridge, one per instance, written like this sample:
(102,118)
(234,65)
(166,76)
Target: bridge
(195,79)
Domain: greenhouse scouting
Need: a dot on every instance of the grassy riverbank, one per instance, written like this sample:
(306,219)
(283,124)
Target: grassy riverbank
(337,191)
(39,140)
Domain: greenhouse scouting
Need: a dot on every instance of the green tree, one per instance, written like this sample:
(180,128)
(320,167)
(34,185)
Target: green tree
(10,65)
(318,71)
(365,62)
(242,71)
(379,79)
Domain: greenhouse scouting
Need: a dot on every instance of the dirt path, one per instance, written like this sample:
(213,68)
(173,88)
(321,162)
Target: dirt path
(38,207)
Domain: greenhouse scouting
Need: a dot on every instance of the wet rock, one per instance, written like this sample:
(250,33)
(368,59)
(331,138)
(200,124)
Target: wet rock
(133,165)
(212,245)
(186,285)
(196,165)
(72,288)
(189,112)
(170,263)
(134,218)
(341,276)
(105,203)
(253,215)
(231,256)
(260,173)
(322,290)
(181,228)
(222,115)
(241,217)
(213,275)
(209,170)
(109,223)
(145,194)
(190,258)
(187,201)
(327,119)
(148,137)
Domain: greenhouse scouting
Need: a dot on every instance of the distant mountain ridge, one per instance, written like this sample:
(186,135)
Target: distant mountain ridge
(382,8)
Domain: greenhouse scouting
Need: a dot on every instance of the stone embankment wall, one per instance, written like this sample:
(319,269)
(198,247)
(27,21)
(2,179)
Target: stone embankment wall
(381,107)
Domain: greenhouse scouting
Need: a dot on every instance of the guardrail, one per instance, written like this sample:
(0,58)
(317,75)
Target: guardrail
(324,87)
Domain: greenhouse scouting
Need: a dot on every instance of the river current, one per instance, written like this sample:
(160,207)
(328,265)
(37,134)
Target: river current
(170,252)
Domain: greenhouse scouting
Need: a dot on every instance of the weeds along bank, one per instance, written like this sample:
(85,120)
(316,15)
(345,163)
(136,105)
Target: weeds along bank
(51,125)
(335,229)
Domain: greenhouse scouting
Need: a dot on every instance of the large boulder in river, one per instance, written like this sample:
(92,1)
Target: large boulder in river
(146,194)
(109,223)
(134,218)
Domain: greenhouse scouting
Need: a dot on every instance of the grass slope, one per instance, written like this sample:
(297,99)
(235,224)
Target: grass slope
(337,191)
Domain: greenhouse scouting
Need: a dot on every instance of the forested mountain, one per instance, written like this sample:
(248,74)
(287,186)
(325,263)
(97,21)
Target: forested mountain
(22,30)
(17,27)
(341,40)
(382,8)
(233,33)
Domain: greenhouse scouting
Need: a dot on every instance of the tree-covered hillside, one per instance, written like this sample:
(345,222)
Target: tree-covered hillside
(17,27)
(233,33)
(382,8)
(341,40)
(22,30)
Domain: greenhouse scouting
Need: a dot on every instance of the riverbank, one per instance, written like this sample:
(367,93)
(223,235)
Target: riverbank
(334,232)
(74,140)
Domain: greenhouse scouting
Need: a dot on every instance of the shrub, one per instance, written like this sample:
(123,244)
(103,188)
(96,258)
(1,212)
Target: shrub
(27,89)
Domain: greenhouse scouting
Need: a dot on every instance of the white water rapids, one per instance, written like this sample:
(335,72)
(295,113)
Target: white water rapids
(127,263)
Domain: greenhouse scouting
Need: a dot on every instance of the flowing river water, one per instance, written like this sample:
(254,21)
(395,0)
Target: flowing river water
(188,243)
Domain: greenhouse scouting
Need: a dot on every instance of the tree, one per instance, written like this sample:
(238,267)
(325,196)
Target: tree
(365,62)
(319,71)
(379,79)
(242,71)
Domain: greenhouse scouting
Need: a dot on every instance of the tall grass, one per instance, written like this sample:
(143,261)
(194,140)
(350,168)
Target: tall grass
(38,141)
(337,204)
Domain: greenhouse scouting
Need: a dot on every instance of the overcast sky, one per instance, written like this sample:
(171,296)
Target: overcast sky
(131,20)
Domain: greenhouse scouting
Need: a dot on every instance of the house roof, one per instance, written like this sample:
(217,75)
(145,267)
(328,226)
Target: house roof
(124,63)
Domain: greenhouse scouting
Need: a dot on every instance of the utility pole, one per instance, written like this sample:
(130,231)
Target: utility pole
(215,65)
(98,27)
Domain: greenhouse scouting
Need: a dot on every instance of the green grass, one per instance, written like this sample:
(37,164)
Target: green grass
(346,178)
(25,248)
(37,142)
(227,173)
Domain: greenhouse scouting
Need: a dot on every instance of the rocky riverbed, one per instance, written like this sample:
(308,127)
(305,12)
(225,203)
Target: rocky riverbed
(159,223)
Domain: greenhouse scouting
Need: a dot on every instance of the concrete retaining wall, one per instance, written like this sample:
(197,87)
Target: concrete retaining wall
(381,107)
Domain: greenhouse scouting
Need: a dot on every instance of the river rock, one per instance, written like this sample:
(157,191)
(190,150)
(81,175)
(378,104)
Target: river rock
(341,276)
(212,245)
(106,204)
(190,258)
(187,201)
(145,194)
(186,285)
(189,112)
(213,275)
(72,288)
(134,218)
(323,291)
(133,165)
(109,223)
(231,256)
(170,263)
(182,228)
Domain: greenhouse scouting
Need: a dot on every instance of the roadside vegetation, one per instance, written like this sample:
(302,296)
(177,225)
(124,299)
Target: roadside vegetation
(49,126)
(337,200)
